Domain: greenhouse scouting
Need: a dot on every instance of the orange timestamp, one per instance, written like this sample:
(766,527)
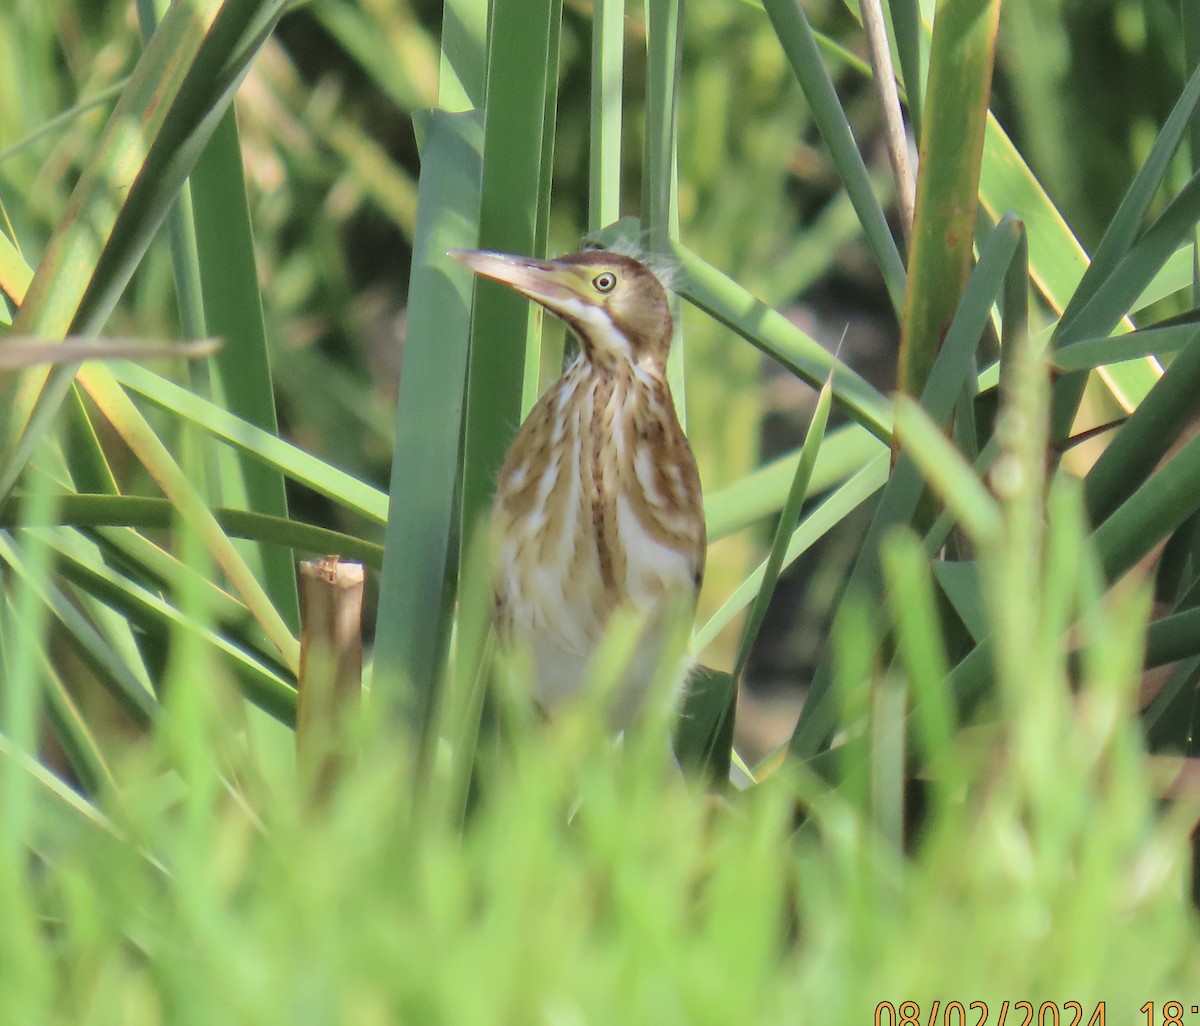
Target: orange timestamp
(1171,1013)
(979,1013)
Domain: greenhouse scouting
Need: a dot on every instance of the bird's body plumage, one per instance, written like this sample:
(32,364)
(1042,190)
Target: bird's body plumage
(598,503)
(587,516)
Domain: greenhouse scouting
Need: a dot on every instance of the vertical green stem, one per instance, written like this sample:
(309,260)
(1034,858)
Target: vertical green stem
(1189,16)
(1013,569)
(664,50)
(604,156)
(463,68)
(522,73)
(956,106)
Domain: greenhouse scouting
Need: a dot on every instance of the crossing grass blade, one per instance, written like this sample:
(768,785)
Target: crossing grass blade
(344,489)
(1097,352)
(58,802)
(727,302)
(71,729)
(1128,258)
(1174,637)
(1136,267)
(62,119)
(798,42)
(88,510)
(950,476)
(1146,436)
(1167,498)
(108,669)
(140,437)
(834,508)
(784,529)
(763,491)
(184,80)
(264,682)
(1126,225)
(17,351)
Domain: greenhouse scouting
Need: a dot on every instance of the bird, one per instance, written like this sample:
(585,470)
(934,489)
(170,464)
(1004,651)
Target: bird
(598,505)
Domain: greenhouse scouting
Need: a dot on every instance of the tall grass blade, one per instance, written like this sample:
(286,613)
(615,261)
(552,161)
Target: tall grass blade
(416,593)
(922,650)
(664,42)
(906,26)
(604,149)
(660,212)
(522,75)
(955,114)
(241,370)
(462,77)
(887,727)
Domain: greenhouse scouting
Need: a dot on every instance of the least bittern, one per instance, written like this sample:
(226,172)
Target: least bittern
(598,503)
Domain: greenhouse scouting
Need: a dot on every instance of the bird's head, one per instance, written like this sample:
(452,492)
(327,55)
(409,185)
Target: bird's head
(616,305)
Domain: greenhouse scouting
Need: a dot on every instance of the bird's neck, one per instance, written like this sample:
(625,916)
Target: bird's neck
(617,369)
(621,399)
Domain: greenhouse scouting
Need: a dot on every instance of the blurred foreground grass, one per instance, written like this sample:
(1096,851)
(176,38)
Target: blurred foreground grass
(590,885)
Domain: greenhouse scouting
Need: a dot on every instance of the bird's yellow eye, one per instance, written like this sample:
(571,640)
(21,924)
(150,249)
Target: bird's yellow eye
(605,281)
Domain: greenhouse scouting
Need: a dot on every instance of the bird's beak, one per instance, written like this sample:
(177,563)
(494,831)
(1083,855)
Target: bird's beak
(548,282)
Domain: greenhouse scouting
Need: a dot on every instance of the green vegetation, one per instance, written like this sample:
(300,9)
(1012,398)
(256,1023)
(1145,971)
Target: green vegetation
(983,799)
